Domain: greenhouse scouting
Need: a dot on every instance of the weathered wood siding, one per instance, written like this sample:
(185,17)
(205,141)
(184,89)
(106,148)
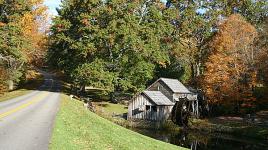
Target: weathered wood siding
(158,86)
(163,112)
(137,107)
(137,110)
(176,96)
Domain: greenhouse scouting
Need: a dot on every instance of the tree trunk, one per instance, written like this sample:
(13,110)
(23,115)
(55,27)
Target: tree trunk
(198,69)
(10,85)
(193,70)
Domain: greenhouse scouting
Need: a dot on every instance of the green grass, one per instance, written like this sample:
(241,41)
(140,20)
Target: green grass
(79,129)
(13,94)
(32,84)
(111,108)
(237,129)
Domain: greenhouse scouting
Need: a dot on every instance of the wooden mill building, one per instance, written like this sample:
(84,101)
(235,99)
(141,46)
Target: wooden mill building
(173,89)
(150,105)
(157,101)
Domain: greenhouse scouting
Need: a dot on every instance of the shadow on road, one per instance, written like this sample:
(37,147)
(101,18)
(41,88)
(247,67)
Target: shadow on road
(48,83)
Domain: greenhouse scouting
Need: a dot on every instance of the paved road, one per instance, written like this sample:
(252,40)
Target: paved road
(26,122)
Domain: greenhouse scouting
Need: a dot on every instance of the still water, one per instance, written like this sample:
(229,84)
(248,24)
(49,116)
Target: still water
(201,141)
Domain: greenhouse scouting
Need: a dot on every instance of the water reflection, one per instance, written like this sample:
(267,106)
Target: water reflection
(202,141)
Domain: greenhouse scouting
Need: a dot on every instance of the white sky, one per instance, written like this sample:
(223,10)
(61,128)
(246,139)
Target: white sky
(52,5)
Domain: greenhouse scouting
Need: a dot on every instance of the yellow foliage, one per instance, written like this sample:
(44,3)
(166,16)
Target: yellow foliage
(34,24)
(2,24)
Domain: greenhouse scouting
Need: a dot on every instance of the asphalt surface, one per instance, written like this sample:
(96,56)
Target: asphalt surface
(26,122)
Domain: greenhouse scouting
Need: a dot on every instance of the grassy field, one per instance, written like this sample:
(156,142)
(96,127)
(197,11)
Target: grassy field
(77,128)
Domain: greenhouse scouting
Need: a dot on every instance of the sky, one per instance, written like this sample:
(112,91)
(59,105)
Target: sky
(52,5)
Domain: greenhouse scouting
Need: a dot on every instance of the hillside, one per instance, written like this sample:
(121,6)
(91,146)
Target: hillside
(77,128)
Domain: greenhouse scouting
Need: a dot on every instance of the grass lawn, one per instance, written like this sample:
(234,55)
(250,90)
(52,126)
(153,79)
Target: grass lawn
(110,108)
(232,128)
(13,94)
(79,129)
(34,80)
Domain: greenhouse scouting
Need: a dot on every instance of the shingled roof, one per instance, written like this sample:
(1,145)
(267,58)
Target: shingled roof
(158,98)
(174,85)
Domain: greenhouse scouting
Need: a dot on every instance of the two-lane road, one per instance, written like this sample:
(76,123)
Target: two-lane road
(26,122)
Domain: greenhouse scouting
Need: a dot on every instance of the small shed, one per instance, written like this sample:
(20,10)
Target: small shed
(173,89)
(150,105)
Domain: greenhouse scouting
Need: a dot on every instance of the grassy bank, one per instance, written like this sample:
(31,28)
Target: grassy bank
(78,128)
(13,94)
(110,108)
(33,81)
(235,128)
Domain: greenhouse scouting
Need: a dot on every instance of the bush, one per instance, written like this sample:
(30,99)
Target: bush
(3,79)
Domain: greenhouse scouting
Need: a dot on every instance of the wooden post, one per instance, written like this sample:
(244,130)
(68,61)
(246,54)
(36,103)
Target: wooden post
(197,109)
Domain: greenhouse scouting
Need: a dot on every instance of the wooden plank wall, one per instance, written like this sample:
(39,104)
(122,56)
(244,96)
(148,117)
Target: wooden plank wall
(137,110)
(164,112)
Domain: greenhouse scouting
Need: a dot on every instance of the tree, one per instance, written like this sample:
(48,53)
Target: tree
(15,42)
(127,37)
(3,78)
(253,11)
(194,24)
(230,73)
(34,26)
(197,22)
(262,46)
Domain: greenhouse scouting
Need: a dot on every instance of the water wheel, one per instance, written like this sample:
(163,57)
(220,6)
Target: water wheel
(181,112)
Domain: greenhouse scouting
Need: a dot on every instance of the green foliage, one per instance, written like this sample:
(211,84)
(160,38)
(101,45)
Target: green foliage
(94,74)
(254,11)
(128,39)
(12,11)
(12,42)
(198,21)
(133,42)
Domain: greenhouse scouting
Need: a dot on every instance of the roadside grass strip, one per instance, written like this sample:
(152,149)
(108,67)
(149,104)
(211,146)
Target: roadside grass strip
(14,94)
(35,99)
(76,128)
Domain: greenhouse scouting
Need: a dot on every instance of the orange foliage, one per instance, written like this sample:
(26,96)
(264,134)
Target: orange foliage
(3,78)
(34,24)
(2,24)
(229,73)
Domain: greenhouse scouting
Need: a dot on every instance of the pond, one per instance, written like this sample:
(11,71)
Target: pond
(200,141)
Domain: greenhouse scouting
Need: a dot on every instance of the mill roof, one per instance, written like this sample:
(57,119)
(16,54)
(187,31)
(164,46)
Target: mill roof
(158,98)
(174,85)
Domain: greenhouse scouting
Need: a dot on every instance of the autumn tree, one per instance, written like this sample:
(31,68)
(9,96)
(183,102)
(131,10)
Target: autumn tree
(196,23)
(3,76)
(230,73)
(34,28)
(15,41)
